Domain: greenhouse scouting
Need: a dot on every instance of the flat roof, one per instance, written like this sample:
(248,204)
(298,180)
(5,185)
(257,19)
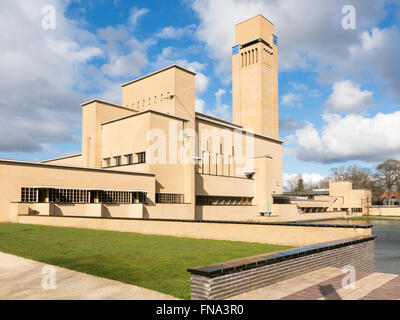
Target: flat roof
(156,72)
(62,166)
(143,112)
(108,103)
(232,125)
(218,119)
(258,15)
(64,157)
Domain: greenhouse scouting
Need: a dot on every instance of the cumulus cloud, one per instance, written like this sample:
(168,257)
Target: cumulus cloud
(306,30)
(291,100)
(347,97)
(170,56)
(176,33)
(136,14)
(350,137)
(300,92)
(221,110)
(47,74)
(199,105)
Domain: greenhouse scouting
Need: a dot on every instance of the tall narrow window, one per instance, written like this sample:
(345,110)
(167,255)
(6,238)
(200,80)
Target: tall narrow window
(106,162)
(129,158)
(117,161)
(256,55)
(141,157)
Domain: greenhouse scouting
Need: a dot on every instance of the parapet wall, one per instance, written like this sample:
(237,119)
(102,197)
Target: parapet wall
(269,233)
(231,278)
(388,211)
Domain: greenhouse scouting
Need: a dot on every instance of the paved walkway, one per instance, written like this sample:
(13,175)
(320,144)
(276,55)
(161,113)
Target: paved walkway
(22,279)
(326,284)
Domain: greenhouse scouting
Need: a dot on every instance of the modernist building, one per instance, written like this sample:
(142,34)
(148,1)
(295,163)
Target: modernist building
(154,156)
(340,196)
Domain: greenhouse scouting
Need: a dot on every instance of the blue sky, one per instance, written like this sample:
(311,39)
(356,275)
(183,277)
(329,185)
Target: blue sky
(338,88)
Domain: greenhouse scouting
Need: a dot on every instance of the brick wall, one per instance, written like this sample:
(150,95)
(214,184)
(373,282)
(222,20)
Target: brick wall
(247,275)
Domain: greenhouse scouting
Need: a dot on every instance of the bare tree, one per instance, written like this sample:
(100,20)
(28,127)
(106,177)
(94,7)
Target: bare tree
(294,184)
(359,176)
(387,174)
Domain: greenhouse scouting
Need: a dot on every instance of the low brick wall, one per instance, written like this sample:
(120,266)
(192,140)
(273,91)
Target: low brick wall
(231,278)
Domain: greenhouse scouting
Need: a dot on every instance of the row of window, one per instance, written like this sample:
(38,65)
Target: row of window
(223,201)
(122,197)
(128,159)
(68,196)
(249,57)
(169,198)
(30,195)
(314,210)
(147,102)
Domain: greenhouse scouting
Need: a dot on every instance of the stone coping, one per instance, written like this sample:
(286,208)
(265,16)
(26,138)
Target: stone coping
(289,224)
(239,265)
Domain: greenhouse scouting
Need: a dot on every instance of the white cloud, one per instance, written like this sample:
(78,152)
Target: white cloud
(199,105)
(221,110)
(347,97)
(301,91)
(137,14)
(176,33)
(170,56)
(46,74)
(310,36)
(291,100)
(350,137)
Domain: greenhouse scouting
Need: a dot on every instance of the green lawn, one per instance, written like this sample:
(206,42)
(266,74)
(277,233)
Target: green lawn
(376,218)
(154,262)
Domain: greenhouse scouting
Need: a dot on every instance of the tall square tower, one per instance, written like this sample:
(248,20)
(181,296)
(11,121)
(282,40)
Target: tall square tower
(255,77)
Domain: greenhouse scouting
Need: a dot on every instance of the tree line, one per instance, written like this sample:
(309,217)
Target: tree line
(384,178)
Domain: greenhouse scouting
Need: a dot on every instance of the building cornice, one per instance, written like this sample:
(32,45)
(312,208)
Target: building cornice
(61,166)
(143,112)
(156,72)
(61,158)
(108,103)
(234,126)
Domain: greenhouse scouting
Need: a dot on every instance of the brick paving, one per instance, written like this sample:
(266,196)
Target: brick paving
(389,291)
(326,288)
(317,285)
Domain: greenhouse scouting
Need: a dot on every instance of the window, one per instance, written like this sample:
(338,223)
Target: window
(141,157)
(122,197)
(169,198)
(129,159)
(29,195)
(223,201)
(117,161)
(275,39)
(68,196)
(106,162)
